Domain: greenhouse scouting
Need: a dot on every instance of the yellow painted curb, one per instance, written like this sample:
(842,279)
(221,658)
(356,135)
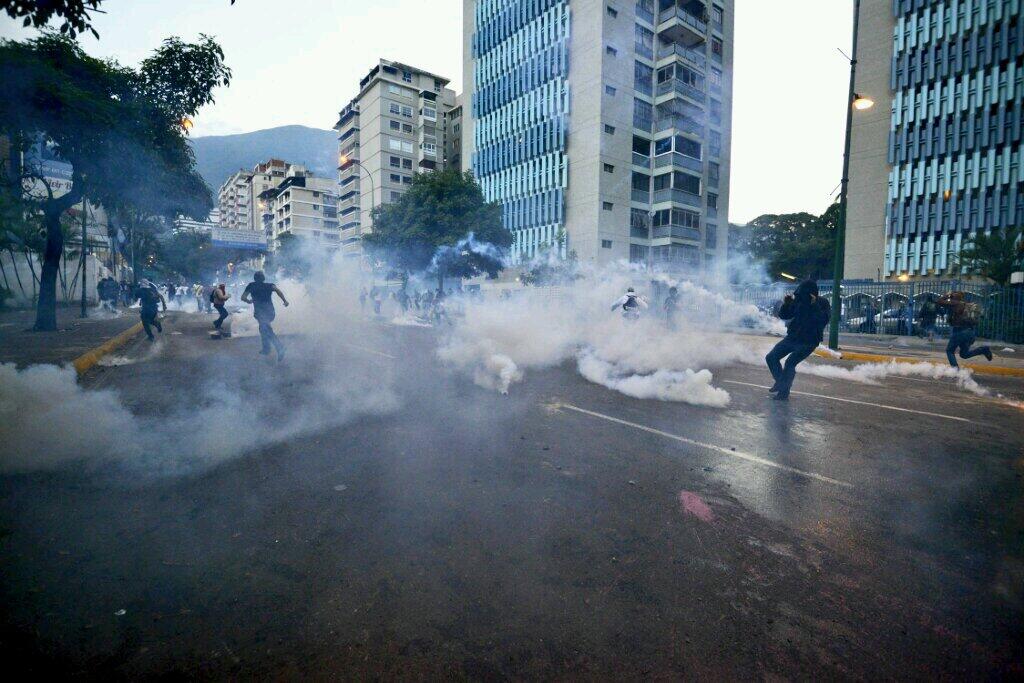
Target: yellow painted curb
(87,360)
(873,358)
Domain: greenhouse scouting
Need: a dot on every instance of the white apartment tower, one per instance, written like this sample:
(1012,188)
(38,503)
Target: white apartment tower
(394,127)
(603,126)
(302,205)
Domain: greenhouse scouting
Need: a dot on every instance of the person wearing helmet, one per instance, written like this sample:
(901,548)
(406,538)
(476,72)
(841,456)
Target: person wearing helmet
(806,315)
(631,304)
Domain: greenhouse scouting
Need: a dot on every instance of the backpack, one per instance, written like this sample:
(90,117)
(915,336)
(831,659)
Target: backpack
(970,314)
(630,302)
(213,300)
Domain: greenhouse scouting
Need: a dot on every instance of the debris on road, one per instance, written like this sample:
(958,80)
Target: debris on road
(120,612)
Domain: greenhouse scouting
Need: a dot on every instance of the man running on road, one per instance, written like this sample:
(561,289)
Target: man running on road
(219,297)
(963,320)
(260,293)
(630,303)
(806,315)
(150,298)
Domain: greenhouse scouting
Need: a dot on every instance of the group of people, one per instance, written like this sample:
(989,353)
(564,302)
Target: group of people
(428,303)
(806,315)
(112,293)
(259,293)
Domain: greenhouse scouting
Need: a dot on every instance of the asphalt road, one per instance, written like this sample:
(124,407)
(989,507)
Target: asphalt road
(562,531)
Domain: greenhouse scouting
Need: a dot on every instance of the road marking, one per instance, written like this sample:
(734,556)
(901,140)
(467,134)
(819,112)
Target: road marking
(739,455)
(850,400)
(374,351)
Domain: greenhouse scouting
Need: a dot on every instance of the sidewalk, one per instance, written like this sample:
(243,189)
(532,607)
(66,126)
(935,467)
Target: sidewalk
(1009,356)
(74,336)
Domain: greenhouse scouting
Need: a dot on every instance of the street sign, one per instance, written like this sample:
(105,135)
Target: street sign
(224,238)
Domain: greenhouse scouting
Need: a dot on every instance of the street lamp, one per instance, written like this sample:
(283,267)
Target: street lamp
(860,103)
(346,159)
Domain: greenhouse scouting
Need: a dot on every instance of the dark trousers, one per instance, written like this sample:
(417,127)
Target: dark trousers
(268,337)
(784,376)
(150,320)
(961,340)
(223,315)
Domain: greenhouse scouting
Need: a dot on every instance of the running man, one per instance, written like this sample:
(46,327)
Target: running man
(670,307)
(963,319)
(630,303)
(150,298)
(218,298)
(260,293)
(806,315)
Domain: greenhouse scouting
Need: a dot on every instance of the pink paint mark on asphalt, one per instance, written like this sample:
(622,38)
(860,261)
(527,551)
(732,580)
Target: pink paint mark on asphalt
(693,505)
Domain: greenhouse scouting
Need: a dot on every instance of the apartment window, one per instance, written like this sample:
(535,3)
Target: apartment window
(717,15)
(394,108)
(406,180)
(609,90)
(710,236)
(712,204)
(407,128)
(396,162)
(610,130)
(612,12)
(395,178)
(715,77)
(437,85)
(715,111)
(641,146)
(407,77)
(606,244)
(395,125)
(611,51)
(643,78)
(429,113)
(429,148)
(407,164)
(608,168)
(395,196)
(716,49)
(713,171)
(607,206)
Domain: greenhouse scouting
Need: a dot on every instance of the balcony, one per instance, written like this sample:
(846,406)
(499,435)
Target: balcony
(670,194)
(641,160)
(682,124)
(676,231)
(639,232)
(676,50)
(678,86)
(644,50)
(681,25)
(644,13)
(642,196)
(679,160)
(643,122)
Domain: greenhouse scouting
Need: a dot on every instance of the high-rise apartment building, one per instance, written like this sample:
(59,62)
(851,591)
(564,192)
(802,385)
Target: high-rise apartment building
(238,198)
(302,205)
(603,127)
(937,160)
(393,128)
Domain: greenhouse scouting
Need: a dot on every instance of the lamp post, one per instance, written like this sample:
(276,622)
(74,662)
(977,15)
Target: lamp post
(346,159)
(85,211)
(853,101)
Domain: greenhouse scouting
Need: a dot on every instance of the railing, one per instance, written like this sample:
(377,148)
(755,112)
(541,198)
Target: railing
(894,308)
(696,23)
(644,50)
(675,49)
(642,122)
(643,196)
(671,194)
(681,123)
(677,231)
(645,14)
(641,160)
(682,88)
(677,159)
(645,87)
(639,233)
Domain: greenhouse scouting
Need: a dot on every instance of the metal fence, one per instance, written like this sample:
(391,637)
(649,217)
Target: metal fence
(895,307)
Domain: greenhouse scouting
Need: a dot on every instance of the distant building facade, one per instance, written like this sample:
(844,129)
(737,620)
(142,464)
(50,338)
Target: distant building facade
(303,205)
(183,224)
(937,160)
(394,128)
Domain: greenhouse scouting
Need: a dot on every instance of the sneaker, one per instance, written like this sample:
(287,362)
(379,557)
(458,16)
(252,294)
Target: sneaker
(780,397)
(774,388)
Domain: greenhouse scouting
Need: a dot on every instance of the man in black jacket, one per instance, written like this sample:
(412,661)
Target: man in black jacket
(806,315)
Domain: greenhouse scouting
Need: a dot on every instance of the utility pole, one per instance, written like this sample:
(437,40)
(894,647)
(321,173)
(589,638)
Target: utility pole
(840,254)
(85,212)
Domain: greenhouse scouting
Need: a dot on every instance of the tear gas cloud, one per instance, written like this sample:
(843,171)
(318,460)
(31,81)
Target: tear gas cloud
(243,402)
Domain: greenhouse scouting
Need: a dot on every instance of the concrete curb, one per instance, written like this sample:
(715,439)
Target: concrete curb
(873,358)
(89,359)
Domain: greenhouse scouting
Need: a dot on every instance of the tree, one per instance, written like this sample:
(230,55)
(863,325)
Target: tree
(442,225)
(122,130)
(799,244)
(38,13)
(996,255)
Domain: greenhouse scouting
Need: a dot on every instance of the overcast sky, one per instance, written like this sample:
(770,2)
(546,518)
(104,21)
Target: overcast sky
(300,61)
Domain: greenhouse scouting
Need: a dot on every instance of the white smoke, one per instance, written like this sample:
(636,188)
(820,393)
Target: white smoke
(49,421)
(872,373)
(497,340)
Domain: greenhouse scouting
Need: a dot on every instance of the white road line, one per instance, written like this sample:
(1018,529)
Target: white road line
(374,351)
(739,455)
(862,403)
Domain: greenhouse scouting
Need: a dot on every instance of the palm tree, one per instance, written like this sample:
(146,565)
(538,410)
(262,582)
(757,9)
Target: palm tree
(996,255)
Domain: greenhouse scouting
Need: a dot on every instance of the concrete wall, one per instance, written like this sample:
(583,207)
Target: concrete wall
(869,166)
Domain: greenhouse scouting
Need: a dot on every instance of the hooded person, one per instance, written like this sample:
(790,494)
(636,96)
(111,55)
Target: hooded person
(150,299)
(806,315)
(631,303)
(963,322)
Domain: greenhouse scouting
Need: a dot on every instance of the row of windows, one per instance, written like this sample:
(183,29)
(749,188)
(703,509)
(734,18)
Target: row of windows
(975,90)
(999,43)
(549,101)
(544,31)
(529,241)
(549,64)
(961,212)
(916,25)
(536,210)
(546,137)
(496,20)
(535,175)
(952,135)
(957,174)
